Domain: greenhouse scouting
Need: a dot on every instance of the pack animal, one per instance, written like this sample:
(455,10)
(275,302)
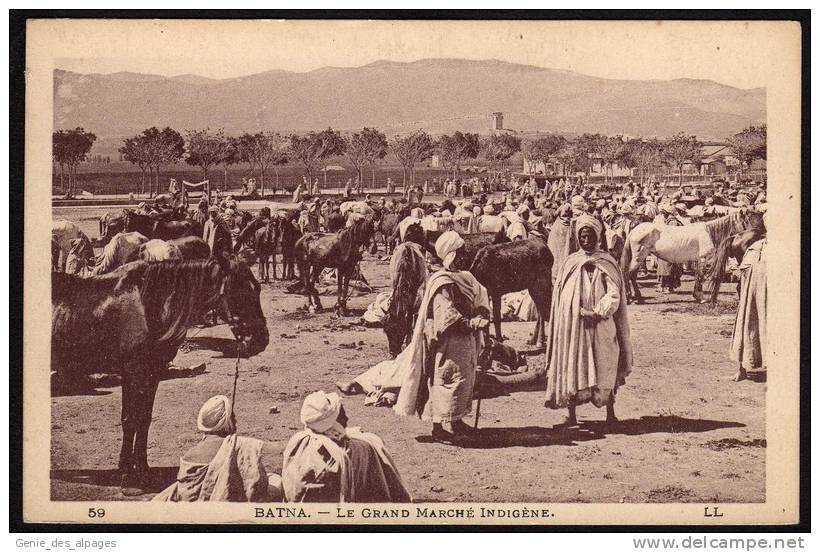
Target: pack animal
(342,251)
(132,322)
(514,266)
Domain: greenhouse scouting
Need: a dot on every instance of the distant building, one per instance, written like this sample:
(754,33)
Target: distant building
(498,121)
(435,161)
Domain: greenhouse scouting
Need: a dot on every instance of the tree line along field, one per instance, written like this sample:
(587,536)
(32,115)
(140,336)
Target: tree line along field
(118,177)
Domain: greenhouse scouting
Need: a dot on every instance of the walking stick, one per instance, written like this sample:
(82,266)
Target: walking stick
(486,332)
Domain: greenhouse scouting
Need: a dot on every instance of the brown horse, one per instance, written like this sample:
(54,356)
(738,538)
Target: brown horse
(473,243)
(265,242)
(513,266)
(192,248)
(408,275)
(317,250)
(154,228)
(734,246)
(289,234)
(132,322)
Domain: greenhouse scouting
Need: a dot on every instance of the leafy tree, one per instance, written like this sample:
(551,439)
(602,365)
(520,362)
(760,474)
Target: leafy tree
(206,149)
(641,154)
(585,147)
(610,149)
(171,148)
(748,144)
(411,149)
(457,148)
(679,150)
(544,149)
(269,149)
(365,148)
(312,148)
(498,148)
(69,149)
(243,151)
(132,150)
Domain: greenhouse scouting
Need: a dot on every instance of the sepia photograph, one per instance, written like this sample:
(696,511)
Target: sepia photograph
(412,272)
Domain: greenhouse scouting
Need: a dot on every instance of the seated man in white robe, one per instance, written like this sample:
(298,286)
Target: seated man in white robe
(223,467)
(329,462)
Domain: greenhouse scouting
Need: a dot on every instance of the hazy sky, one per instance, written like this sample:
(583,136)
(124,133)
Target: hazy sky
(729,52)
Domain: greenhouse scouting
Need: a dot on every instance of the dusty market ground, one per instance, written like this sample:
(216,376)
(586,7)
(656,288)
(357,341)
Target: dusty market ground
(687,433)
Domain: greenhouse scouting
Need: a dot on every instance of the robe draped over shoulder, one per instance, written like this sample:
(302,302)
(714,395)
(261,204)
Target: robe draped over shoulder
(587,361)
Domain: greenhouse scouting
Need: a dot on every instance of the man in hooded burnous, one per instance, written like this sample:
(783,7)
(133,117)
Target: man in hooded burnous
(448,338)
(331,462)
(589,353)
(222,467)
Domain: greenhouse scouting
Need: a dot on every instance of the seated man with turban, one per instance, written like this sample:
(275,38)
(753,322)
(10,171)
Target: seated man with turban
(589,352)
(222,467)
(330,462)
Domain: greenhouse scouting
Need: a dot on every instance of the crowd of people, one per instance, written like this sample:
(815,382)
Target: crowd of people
(588,347)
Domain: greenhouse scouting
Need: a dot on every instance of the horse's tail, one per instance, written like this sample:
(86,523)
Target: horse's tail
(626,256)
(714,274)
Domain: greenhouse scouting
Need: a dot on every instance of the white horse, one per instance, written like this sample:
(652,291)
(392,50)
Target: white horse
(159,250)
(680,244)
(62,232)
(123,248)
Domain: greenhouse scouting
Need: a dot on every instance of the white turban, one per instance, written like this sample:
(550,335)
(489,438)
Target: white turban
(417,212)
(488,209)
(406,223)
(588,221)
(215,416)
(447,245)
(320,412)
(476,210)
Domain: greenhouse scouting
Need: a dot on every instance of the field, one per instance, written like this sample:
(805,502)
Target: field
(687,433)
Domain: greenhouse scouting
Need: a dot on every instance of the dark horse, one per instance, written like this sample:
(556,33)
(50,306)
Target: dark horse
(154,228)
(408,277)
(132,322)
(513,266)
(734,246)
(473,243)
(341,250)
(289,234)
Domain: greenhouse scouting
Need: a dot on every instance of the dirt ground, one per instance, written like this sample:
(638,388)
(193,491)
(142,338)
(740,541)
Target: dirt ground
(687,433)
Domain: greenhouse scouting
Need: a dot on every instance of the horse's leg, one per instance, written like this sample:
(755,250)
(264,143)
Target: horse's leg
(147,394)
(340,291)
(540,296)
(128,419)
(497,316)
(314,273)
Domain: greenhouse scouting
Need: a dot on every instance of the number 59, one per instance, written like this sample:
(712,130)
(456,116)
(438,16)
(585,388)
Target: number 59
(96,512)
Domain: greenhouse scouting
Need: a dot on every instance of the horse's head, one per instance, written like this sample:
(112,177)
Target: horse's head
(751,219)
(239,301)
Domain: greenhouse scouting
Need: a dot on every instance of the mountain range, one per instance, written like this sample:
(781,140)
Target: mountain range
(439,95)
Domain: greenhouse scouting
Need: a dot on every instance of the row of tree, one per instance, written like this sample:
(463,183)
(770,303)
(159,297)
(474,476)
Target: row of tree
(154,149)
(69,148)
(645,155)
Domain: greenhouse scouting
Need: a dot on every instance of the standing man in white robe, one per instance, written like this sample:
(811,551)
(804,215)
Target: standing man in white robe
(589,352)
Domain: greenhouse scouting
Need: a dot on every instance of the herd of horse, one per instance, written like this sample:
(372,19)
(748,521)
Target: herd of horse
(129,311)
